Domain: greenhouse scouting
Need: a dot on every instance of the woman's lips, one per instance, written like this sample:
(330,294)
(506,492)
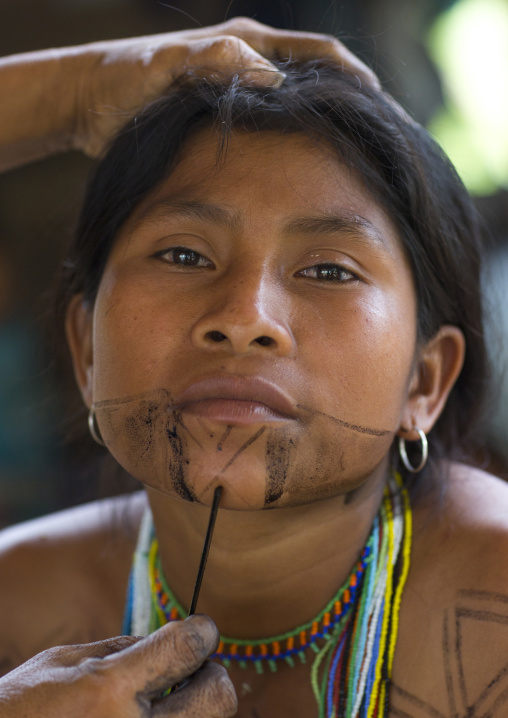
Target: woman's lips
(236,400)
(232,411)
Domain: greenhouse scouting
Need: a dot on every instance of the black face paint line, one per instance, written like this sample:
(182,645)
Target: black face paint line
(231,461)
(176,459)
(151,432)
(160,396)
(279,448)
(224,437)
(354,427)
(138,419)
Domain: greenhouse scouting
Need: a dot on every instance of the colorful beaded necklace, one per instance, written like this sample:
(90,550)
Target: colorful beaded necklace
(352,639)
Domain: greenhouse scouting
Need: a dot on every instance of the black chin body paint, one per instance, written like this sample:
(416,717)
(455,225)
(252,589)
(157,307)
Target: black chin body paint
(278,453)
(176,465)
(346,424)
(299,462)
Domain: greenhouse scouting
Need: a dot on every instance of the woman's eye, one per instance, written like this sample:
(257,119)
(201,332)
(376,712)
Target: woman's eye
(328,273)
(183,257)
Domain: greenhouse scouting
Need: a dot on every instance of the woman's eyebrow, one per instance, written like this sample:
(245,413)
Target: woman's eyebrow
(191,209)
(353,225)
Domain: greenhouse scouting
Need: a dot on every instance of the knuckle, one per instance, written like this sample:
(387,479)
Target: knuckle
(328,43)
(222,48)
(331,40)
(54,652)
(227,44)
(59,655)
(243,24)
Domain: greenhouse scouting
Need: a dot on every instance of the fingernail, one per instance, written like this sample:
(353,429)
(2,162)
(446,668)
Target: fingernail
(266,77)
(278,78)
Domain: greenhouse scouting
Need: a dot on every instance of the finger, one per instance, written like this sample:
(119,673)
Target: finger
(101,649)
(65,656)
(167,656)
(288,45)
(208,694)
(308,46)
(222,57)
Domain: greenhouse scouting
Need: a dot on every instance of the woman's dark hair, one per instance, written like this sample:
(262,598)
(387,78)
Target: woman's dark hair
(396,159)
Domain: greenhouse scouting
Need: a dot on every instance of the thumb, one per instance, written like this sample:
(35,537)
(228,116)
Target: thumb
(167,656)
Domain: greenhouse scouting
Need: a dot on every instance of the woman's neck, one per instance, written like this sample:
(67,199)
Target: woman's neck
(268,571)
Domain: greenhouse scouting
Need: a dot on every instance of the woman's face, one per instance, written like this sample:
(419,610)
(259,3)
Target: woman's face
(255,327)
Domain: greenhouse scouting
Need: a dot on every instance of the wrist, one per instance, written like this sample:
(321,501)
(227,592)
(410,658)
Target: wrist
(76,68)
(38,107)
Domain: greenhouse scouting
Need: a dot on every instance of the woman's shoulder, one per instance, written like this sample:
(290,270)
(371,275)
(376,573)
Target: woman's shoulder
(64,576)
(470,517)
(76,525)
(453,637)
(461,539)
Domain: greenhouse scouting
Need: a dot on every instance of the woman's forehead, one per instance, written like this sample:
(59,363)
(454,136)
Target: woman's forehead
(206,154)
(260,173)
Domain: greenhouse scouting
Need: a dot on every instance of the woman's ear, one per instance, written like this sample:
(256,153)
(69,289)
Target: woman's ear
(435,373)
(79,333)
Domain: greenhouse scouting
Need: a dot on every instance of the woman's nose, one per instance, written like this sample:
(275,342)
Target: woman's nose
(245,316)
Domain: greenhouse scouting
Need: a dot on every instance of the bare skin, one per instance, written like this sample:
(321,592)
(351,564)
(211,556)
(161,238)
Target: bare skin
(451,657)
(456,587)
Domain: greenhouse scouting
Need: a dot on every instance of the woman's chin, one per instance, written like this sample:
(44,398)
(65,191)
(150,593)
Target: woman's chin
(238,493)
(246,493)
(190,459)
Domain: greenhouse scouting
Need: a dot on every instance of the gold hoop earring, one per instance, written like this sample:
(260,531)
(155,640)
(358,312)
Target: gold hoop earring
(94,427)
(425,452)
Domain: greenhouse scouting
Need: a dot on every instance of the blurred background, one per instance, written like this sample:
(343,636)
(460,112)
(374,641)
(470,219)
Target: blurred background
(446,61)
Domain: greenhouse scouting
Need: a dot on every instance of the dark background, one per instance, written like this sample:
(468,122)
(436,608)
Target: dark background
(39,472)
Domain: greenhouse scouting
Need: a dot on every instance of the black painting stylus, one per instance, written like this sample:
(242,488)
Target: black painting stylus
(201,570)
(206,549)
